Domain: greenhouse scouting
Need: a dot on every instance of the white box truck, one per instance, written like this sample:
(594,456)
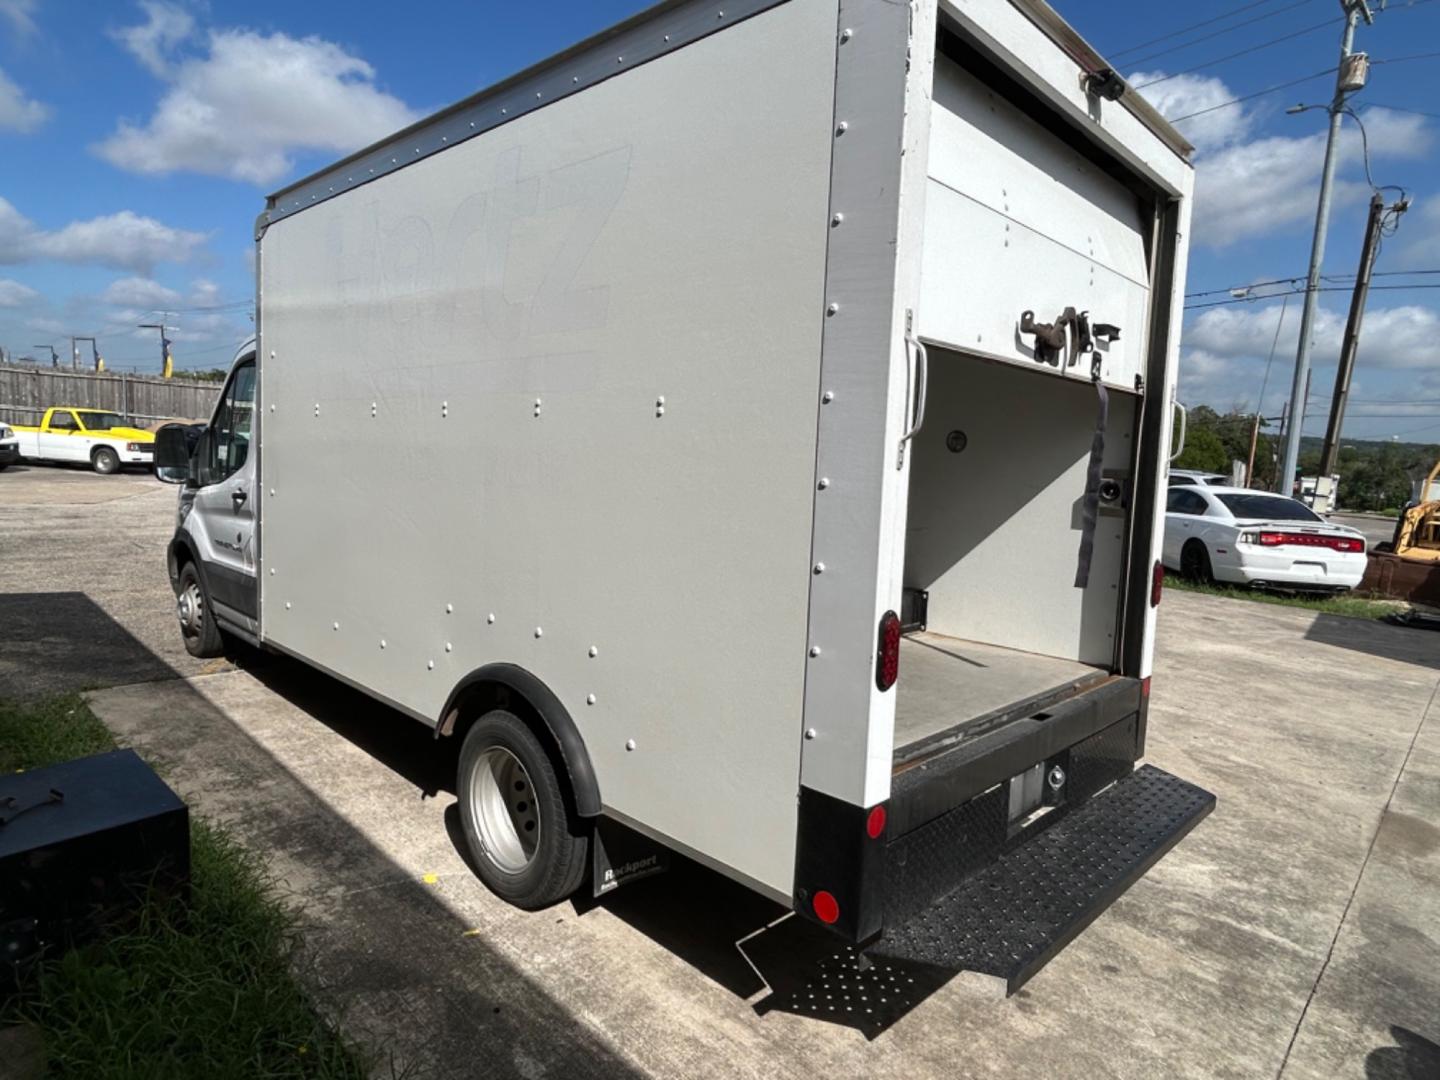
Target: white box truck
(747,427)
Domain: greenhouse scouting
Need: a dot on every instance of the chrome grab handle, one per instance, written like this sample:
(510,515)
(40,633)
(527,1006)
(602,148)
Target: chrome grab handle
(922,377)
(1184,425)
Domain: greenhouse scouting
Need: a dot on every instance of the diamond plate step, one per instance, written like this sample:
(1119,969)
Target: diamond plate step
(1011,918)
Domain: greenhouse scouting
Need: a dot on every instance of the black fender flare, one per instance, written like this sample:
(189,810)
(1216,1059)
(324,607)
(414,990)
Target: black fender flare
(553,714)
(181,542)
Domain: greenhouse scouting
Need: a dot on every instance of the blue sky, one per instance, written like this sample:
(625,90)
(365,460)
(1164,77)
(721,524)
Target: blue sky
(137,140)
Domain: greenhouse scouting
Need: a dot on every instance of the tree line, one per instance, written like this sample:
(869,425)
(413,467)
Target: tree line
(1374,475)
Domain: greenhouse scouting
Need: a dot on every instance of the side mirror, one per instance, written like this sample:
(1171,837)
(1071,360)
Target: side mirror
(172,454)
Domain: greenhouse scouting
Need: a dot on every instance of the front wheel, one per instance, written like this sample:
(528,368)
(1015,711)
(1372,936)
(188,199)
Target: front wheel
(526,844)
(105,460)
(197,621)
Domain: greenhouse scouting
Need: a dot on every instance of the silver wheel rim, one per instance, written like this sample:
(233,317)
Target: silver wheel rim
(502,804)
(190,609)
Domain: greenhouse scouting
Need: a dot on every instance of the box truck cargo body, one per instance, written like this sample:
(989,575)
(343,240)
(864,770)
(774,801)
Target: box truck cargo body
(746,427)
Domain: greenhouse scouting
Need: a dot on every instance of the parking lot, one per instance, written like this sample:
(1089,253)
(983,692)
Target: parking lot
(1295,933)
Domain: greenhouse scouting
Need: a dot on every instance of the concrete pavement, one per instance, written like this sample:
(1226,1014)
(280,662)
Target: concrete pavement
(1293,933)
(83,562)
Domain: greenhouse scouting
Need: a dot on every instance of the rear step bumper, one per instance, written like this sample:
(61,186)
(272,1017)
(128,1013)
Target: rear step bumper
(1009,919)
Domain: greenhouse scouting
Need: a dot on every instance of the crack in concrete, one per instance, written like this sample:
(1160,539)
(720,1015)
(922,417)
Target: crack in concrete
(1359,877)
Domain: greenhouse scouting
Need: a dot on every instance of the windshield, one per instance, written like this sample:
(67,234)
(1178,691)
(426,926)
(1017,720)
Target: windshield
(101,421)
(1268,508)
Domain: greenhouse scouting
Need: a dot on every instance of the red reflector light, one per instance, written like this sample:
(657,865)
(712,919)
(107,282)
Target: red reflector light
(1289,539)
(1145,687)
(875,823)
(1157,583)
(887,663)
(827,908)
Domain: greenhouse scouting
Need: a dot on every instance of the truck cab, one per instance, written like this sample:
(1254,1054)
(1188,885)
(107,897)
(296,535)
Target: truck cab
(211,558)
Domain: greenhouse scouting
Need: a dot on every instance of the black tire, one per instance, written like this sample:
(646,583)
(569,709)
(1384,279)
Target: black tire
(560,857)
(105,460)
(1195,562)
(201,634)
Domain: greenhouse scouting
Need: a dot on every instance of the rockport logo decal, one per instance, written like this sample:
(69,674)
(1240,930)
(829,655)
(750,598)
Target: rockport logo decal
(614,875)
(622,855)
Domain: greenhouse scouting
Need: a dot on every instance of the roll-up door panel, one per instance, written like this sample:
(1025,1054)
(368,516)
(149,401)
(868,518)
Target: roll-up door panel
(1017,219)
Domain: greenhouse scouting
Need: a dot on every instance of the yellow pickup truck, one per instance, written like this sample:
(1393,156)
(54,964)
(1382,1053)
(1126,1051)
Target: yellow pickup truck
(97,436)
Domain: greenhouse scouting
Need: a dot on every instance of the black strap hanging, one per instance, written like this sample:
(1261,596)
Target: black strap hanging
(1090,512)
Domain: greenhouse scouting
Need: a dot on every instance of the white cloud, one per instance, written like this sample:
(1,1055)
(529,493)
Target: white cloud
(13,294)
(235,111)
(124,240)
(1247,187)
(138,292)
(1181,95)
(165,27)
(1403,337)
(20,15)
(18,112)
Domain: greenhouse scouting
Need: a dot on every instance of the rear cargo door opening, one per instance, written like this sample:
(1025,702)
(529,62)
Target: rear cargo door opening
(998,475)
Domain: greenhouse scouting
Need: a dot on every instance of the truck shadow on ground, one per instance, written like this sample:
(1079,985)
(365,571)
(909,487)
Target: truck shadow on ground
(1413,1057)
(1376,638)
(373,953)
(690,910)
(55,641)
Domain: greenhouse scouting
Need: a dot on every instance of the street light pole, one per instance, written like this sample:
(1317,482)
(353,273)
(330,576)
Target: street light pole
(1354,11)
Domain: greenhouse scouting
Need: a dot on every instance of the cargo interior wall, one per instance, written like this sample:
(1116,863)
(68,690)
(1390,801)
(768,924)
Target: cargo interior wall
(997,483)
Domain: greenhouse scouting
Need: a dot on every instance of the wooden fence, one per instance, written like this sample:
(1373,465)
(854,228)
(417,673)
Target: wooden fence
(27,390)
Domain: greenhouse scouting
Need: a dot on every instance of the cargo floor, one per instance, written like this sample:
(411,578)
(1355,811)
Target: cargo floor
(947,683)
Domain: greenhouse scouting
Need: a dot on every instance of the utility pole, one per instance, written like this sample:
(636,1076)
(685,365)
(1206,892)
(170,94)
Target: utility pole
(1351,342)
(97,361)
(1350,77)
(165,361)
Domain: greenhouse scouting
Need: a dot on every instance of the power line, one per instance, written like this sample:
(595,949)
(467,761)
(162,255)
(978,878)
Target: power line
(1300,277)
(1306,78)
(1205,37)
(1193,26)
(1403,59)
(1294,292)
(1257,93)
(1243,52)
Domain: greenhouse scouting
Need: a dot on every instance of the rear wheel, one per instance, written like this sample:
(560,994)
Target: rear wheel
(1195,562)
(105,460)
(197,621)
(526,844)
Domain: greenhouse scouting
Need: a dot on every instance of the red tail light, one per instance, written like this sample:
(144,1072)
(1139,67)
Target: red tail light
(1145,687)
(827,908)
(875,823)
(1157,583)
(1289,539)
(887,663)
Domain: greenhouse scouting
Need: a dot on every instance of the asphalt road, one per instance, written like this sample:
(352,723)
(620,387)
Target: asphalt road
(1376,529)
(1292,934)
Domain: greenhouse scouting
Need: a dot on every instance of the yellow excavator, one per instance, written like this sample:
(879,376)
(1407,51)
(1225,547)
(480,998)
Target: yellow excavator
(1417,533)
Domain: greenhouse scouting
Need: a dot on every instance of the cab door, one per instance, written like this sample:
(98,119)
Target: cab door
(63,439)
(223,513)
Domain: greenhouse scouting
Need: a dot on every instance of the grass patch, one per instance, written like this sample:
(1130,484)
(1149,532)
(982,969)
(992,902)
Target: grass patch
(47,732)
(1347,604)
(206,991)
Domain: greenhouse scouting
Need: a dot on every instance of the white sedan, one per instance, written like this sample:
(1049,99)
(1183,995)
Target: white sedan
(1257,538)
